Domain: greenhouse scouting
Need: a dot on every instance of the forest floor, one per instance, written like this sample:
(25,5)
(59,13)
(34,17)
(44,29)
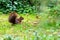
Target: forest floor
(43,28)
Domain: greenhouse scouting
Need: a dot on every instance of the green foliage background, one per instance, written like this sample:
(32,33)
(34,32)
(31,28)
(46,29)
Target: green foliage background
(27,6)
(21,6)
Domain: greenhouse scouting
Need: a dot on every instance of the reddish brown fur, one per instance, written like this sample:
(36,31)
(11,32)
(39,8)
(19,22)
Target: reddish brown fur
(19,20)
(13,18)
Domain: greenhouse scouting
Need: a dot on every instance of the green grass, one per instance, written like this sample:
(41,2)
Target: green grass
(44,28)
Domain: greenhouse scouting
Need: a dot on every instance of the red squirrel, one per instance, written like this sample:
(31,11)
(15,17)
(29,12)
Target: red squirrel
(13,18)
